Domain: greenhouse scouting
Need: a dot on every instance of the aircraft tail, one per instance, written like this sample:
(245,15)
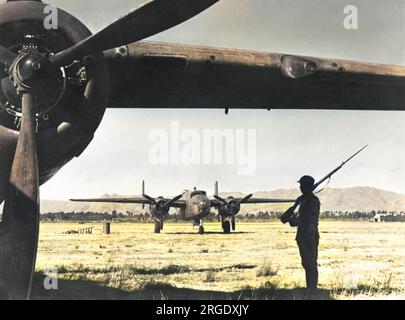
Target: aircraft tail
(216,189)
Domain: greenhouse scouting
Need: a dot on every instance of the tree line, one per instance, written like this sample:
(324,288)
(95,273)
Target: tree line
(392,216)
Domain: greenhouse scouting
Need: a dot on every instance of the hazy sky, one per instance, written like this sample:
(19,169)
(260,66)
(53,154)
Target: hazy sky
(289,143)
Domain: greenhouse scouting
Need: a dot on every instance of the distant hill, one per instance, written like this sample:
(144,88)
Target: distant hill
(332,199)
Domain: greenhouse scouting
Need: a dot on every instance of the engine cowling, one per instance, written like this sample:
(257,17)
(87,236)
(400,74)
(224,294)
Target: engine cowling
(160,208)
(72,102)
(230,208)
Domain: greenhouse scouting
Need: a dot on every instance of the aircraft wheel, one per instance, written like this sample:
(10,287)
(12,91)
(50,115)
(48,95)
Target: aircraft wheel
(226,226)
(157,226)
(161,224)
(233,223)
(201,230)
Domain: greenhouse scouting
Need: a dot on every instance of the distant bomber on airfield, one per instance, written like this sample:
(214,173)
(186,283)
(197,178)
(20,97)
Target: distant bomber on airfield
(192,205)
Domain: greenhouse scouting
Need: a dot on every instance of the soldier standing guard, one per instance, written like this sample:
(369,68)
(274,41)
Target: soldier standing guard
(307,235)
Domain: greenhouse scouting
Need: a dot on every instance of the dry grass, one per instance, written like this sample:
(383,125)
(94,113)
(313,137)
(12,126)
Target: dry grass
(266,269)
(357,260)
(210,276)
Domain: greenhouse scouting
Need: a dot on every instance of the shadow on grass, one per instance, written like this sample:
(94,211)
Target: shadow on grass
(83,289)
(209,233)
(167,270)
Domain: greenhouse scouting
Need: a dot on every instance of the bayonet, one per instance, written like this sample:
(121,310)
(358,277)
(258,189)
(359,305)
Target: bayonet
(330,174)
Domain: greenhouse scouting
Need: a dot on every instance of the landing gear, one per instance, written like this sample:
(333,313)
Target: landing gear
(158,225)
(200,226)
(226,226)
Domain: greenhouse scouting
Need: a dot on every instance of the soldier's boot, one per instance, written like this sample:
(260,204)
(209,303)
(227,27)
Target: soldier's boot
(311,277)
(312,285)
(308,278)
(315,278)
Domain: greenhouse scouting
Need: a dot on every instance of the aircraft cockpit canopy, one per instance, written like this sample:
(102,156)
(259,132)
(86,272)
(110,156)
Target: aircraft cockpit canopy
(198,192)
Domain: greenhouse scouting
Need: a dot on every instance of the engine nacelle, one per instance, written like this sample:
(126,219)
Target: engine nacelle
(230,208)
(160,208)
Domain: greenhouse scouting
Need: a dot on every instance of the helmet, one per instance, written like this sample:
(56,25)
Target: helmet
(307,180)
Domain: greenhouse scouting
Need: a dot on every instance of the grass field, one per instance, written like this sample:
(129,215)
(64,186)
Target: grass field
(358,260)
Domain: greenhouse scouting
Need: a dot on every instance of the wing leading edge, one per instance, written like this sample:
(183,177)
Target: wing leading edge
(263,200)
(175,204)
(163,75)
(217,203)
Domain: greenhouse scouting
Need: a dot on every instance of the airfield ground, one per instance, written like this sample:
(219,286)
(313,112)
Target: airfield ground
(358,260)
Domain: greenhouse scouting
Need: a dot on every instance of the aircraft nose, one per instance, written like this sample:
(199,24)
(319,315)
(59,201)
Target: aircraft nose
(204,205)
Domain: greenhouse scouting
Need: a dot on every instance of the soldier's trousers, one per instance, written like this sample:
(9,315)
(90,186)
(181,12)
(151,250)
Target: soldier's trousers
(309,259)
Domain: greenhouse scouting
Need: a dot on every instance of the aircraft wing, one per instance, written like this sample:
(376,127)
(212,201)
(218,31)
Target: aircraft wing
(262,200)
(174,204)
(114,200)
(217,203)
(178,204)
(164,75)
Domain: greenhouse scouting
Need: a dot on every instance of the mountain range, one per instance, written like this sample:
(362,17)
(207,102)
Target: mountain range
(332,199)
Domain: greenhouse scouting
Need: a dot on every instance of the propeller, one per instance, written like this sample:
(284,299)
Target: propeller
(150,199)
(231,204)
(149,19)
(174,200)
(20,225)
(240,201)
(32,73)
(162,205)
(245,199)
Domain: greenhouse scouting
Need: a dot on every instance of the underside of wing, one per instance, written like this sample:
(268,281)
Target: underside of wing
(178,204)
(215,203)
(175,204)
(263,200)
(114,200)
(162,75)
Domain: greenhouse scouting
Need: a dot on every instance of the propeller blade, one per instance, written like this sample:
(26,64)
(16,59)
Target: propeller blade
(7,57)
(150,19)
(220,199)
(20,226)
(246,198)
(153,201)
(174,200)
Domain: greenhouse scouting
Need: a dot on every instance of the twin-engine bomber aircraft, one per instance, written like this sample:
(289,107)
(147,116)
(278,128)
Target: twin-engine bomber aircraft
(194,205)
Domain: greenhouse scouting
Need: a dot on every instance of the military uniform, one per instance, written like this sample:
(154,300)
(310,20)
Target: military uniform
(308,237)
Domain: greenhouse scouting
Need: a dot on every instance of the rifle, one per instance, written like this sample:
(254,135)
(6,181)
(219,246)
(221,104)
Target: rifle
(286,216)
